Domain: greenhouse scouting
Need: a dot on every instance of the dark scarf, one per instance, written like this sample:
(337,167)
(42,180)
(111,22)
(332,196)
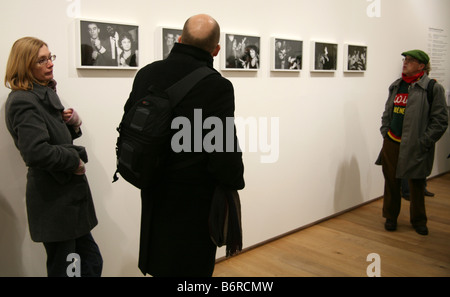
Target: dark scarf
(225,225)
(52,85)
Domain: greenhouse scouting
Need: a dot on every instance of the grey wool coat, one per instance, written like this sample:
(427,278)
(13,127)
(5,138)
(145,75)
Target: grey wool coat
(59,203)
(422,127)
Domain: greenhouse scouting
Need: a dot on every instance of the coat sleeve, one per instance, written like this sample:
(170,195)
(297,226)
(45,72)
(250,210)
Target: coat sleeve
(385,120)
(227,166)
(32,139)
(438,121)
(387,114)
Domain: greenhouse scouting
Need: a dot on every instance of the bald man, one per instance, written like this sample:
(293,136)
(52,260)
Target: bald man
(175,238)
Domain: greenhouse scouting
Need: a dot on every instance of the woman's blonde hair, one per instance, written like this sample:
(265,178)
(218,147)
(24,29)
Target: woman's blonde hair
(24,53)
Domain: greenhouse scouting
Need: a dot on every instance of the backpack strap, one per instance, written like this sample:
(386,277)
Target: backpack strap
(430,93)
(177,91)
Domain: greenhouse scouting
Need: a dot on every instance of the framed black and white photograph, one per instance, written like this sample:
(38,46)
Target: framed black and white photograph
(241,52)
(166,39)
(105,45)
(324,56)
(355,58)
(287,54)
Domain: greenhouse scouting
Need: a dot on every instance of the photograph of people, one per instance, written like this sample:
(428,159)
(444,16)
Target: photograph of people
(108,45)
(170,37)
(325,56)
(357,58)
(287,54)
(242,52)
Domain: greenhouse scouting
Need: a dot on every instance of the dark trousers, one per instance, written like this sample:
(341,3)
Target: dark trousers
(392,188)
(84,246)
(405,187)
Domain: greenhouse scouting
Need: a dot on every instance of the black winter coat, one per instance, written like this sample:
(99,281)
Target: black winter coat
(175,238)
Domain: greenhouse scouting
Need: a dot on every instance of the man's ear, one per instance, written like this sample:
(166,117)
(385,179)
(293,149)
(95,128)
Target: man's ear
(215,52)
(179,39)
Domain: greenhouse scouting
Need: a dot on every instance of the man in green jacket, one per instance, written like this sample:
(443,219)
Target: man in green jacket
(410,126)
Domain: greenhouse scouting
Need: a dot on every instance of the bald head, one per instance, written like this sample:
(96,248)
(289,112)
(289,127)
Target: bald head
(201,31)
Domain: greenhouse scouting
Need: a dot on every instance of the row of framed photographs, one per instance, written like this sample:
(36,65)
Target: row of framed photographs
(242,52)
(106,45)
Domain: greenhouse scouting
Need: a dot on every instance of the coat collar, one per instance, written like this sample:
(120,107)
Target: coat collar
(195,52)
(423,82)
(43,92)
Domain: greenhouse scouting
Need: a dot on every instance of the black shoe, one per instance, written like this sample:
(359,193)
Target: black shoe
(390,225)
(429,194)
(422,230)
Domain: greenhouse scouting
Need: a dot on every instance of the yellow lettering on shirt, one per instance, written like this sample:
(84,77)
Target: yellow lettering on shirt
(399,109)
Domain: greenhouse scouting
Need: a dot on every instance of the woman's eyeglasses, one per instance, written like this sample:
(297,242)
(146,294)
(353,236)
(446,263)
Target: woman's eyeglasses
(44,61)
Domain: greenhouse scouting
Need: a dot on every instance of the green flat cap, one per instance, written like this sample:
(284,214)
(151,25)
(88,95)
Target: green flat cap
(418,54)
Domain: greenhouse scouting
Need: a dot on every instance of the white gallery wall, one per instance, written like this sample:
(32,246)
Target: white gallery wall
(323,151)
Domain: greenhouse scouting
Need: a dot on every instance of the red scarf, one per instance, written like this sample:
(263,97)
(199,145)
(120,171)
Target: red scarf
(414,78)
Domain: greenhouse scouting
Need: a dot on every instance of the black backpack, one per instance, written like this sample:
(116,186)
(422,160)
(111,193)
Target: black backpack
(145,131)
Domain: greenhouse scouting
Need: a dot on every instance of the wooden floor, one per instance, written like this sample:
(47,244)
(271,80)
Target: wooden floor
(340,246)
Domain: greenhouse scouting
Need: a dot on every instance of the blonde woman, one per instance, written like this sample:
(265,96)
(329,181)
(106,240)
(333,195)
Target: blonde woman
(59,204)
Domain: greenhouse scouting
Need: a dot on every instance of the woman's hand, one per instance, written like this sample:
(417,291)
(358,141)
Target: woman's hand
(71,117)
(81,169)
(67,114)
